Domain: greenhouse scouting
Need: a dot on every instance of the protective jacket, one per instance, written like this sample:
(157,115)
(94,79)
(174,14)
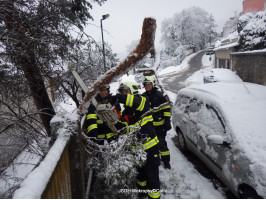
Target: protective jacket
(161,120)
(95,127)
(135,107)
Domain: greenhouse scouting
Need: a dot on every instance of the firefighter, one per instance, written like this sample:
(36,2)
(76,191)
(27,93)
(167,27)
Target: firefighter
(161,118)
(93,126)
(135,106)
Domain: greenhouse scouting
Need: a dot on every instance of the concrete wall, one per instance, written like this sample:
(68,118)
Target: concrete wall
(250,67)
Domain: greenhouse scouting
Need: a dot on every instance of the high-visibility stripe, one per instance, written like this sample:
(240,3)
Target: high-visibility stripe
(128,130)
(109,135)
(142,104)
(99,121)
(165,153)
(165,107)
(159,123)
(154,195)
(151,143)
(131,128)
(125,123)
(142,183)
(154,111)
(101,136)
(129,101)
(146,119)
(91,127)
(91,116)
(167,114)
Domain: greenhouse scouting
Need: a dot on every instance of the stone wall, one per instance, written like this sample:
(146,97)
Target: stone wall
(250,67)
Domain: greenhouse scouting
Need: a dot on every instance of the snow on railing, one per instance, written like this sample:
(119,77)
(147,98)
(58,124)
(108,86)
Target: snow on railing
(33,186)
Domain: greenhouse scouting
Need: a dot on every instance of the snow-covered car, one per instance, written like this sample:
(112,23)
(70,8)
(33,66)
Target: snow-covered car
(224,124)
(209,51)
(139,78)
(220,75)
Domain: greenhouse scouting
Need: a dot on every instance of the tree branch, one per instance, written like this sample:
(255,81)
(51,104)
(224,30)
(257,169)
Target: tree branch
(145,46)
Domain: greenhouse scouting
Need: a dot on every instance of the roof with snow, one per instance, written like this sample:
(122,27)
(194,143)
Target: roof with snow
(228,42)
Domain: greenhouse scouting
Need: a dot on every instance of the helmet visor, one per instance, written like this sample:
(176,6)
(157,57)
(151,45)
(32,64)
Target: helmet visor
(121,89)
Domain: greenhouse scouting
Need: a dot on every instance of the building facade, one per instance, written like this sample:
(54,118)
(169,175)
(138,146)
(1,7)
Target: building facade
(253,5)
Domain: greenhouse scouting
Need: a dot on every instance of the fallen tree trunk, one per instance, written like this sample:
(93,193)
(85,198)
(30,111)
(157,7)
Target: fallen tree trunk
(145,46)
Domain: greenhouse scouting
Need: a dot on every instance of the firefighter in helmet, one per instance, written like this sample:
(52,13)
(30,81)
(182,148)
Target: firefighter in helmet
(135,106)
(161,118)
(93,126)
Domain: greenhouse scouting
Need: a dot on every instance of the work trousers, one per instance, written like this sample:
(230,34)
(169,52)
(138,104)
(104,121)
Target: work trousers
(164,151)
(148,179)
(148,175)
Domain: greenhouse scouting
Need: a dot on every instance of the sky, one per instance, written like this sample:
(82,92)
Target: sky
(126,17)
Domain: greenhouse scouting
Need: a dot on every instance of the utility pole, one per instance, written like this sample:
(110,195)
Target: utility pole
(103,18)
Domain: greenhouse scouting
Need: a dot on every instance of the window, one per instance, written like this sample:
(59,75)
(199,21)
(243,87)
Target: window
(211,121)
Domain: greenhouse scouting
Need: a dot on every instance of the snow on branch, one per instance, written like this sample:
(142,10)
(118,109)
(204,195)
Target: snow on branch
(145,46)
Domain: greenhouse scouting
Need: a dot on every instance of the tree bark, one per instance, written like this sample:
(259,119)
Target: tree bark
(23,57)
(145,46)
(39,94)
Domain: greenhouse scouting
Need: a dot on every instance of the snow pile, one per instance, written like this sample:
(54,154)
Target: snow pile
(208,62)
(176,69)
(34,184)
(23,165)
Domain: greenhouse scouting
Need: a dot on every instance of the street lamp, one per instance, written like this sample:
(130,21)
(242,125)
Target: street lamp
(103,18)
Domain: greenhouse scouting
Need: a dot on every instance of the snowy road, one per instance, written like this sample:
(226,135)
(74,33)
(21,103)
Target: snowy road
(176,81)
(183,180)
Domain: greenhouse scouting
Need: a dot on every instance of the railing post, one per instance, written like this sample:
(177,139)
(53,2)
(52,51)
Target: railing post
(77,164)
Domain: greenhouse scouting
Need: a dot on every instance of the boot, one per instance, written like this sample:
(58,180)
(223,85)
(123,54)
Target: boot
(167,165)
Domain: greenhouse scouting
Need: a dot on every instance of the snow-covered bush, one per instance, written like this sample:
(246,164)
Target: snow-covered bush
(115,166)
(252,28)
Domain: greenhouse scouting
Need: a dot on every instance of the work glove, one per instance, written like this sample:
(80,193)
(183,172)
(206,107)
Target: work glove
(167,126)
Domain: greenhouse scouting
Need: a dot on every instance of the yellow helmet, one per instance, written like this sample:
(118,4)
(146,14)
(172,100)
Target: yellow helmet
(148,79)
(133,87)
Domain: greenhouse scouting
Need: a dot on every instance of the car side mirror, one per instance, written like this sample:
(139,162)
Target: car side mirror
(146,72)
(218,139)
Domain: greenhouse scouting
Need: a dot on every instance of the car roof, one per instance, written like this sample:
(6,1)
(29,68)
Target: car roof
(223,75)
(227,92)
(243,107)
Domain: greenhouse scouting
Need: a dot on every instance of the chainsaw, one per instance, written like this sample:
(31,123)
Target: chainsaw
(106,112)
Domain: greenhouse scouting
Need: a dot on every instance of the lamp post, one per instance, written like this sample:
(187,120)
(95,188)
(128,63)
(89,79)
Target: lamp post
(103,18)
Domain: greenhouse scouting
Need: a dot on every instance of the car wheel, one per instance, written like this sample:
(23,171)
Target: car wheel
(248,193)
(181,140)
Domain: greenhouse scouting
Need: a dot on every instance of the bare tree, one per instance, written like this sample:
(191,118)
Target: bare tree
(36,35)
